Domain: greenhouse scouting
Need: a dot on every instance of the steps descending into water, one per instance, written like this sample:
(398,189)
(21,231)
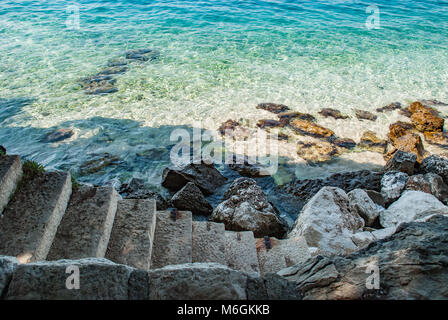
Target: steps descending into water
(10,174)
(208,242)
(281,254)
(173,239)
(241,253)
(132,237)
(31,219)
(86,226)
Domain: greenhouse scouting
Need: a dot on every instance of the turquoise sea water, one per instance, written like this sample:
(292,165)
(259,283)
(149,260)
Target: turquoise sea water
(218,60)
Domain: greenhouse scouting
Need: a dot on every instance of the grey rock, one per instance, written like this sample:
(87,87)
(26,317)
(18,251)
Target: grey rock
(438,187)
(136,189)
(361,203)
(190,198)
(402,161)
(376,197)
(10,174)
(208,242)
(365,115)
(7,266)
(100,279)
(392,184)
(205,176)
(241,253)
(405,272)
(437,165)
(390,107)
(58,135)
(246,208)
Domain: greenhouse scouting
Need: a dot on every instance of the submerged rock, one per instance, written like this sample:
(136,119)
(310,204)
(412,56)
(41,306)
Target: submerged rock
(247,169)
(327,223)
(269,123)
(58,135)
(390,107)
(344,143)
(205,176)
(273,107)
(98,163)
(329,112)
(99,85)
(392,184)
(402,161)
(233,129)
(190,198)
(405,272)
(286,117)
(437,138)
(136,189)
(311,129)
(369,141)
(316,152)
(113,70)
(246,208)
(407,207)
(142,54)
(365,115)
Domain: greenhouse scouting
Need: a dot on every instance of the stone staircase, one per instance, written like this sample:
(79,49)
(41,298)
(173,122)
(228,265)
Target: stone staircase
(44,218)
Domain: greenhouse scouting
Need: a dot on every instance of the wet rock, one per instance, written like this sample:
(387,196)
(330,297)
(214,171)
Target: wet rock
(390,107)
(329,112)
(205,176)
(376,197)
(247,169)
(268,123)
(99,85)
(142,54)
(419,107)
(311,129)
(426,121)
(361,203)
(136,189)
(402,161)
(437,138)
(58,135)
(113,70)
(117,63)
(370,141)
(316,152)
(190,198)
(246,208)
(433,102)
(407,207)
(406,273)
(98,163)
(437,165)
(365,115)
(345,143)
(273,107)
(286,117)
(300,191)
(234,129)
(327,223)
(392,184)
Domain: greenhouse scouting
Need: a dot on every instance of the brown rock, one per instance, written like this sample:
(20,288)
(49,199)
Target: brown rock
(390,107)
(268,123)
(365,115)
(286,117)
(228,125)
(316,152)
(344,143)
(408,143)
(273,107)
(370,141)
(329,112)
(437,138)
(426,121)
(399,129)
(311,129)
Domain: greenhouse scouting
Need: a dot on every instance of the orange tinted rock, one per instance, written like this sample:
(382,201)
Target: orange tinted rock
(437,138)
(311,129)
(409,142)
(427,121)
(399,129)
(370,141)
(316,151)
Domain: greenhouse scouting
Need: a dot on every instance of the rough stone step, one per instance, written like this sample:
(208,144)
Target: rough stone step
(209,242)
(282,254)
(87,223)
(241,253)
(31,219)
(10,174)
(131,240)
(172,239)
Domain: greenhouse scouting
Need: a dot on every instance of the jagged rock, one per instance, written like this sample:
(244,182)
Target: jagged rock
(418,183)
(407,207)
(344,143)
(362,239)
(411,143)
(402,161)
(327,223)
(437,138)
(273,107)
(438,188)
(190,198)
(57,135)
(205,176)
(390,107)
(246,208)
(361,203)
(437,165)
(365,115)
(7,266)
(392,184)
(99,279)
(321,151)
(247,169)
(412,263)
(198,281)
(136,189)
(286,117)
(399,129)
(329,112)
(300,191)
(311,129)
(269,123)
(426,121)
(370,141)
(376,197)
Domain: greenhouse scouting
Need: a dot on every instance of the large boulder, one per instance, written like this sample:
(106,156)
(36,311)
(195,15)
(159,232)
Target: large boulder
(402,161)
(430,183)
(327,223)
(436,164)
(405,209)
(205,176)
(412,265)
(99,279)
(363,205)
(7,266)
(392,184)
(190,198)
(246,208)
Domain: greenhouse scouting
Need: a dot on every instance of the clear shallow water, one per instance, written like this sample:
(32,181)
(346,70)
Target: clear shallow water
(219,59)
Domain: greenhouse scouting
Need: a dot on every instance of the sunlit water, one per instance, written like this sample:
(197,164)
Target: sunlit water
(218,60)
